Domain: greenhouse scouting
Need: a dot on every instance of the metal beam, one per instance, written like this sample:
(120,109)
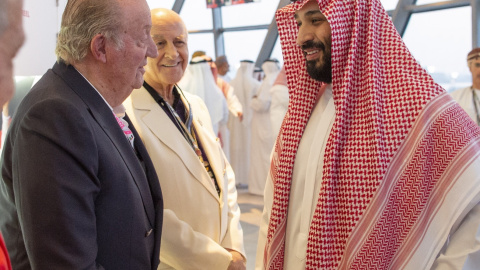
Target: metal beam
(401,15)
(247,28)
(437,6)
(177,6)
(200,31)
(270,38)
(218,39)
(232,29)
(475,23)
(434,6)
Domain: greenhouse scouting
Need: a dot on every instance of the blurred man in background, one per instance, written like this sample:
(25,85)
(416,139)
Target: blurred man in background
(223,68)
(468,97)
(11,39)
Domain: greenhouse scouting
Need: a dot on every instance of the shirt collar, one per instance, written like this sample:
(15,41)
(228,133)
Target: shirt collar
(119,111)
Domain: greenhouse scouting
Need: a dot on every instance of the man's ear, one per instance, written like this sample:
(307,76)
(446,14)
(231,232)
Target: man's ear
(97,47)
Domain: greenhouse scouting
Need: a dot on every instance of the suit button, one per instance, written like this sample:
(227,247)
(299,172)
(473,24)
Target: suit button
(148,232)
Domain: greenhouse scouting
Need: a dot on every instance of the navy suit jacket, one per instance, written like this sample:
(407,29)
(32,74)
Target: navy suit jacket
(74,193)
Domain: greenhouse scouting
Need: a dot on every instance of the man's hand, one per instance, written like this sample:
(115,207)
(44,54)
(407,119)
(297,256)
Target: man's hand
(240,116)
(238,261)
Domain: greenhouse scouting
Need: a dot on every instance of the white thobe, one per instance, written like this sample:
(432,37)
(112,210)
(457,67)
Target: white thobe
(234,107)
(262,139)
(462,251)
(464,98)
(225,77)
(223,119)
(244,87)
(278,107)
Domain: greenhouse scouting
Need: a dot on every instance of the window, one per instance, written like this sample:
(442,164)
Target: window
(277,52)
(196,15)
(258,13)
(242,45)
(201,42)
(389,4)
(160,4)
(441,46)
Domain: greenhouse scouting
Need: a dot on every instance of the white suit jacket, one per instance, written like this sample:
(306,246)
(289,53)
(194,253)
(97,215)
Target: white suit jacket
(198,223)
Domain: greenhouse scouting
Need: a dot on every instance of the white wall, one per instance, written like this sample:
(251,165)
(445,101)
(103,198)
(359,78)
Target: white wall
(41,22)
(40,25)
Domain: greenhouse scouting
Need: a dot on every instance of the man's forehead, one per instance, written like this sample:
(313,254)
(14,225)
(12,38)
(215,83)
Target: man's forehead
(166,28)
(309,9)
(162,35)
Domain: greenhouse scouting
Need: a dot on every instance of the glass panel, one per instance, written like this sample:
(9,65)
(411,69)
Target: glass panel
(389,4)
(248,14)
(277,52)
(441,46)
(201,42)
(237,49)
(160,4)
(196,15)
(60,8)
(40,24)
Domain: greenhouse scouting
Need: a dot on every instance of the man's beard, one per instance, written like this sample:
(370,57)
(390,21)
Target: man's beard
(320,71)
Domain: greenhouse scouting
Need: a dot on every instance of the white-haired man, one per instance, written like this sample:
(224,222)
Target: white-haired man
(78,188)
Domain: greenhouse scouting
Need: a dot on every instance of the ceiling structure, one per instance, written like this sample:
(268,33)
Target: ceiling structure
(400,17)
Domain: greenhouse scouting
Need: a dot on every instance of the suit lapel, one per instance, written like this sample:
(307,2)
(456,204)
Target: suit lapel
(104,117)
(165,130)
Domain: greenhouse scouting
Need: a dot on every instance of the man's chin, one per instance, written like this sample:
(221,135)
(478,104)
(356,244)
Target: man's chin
(318,71)
(138,81)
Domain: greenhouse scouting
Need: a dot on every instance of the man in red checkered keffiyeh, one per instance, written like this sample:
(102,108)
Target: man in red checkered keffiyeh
(375,166)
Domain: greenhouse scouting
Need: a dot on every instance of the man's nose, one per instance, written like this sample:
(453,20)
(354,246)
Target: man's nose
(304,35)
(171,51)
(151,49)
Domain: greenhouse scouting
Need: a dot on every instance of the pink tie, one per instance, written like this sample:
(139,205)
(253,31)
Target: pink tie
(124,126)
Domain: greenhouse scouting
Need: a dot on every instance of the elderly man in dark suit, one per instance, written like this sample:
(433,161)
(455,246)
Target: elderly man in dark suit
(79,190)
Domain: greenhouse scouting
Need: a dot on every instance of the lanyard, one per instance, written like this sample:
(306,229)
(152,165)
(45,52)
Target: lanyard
(188,131)
(186,128)
(475,104)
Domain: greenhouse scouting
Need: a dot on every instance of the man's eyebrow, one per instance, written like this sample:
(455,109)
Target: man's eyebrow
(308,13)
(312,12)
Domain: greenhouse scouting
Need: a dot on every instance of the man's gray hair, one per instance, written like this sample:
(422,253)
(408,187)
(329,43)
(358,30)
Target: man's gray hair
(81,21)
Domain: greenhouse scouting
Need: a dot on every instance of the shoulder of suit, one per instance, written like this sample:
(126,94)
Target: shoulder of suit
(194,100)
(460,92)
(141,99)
